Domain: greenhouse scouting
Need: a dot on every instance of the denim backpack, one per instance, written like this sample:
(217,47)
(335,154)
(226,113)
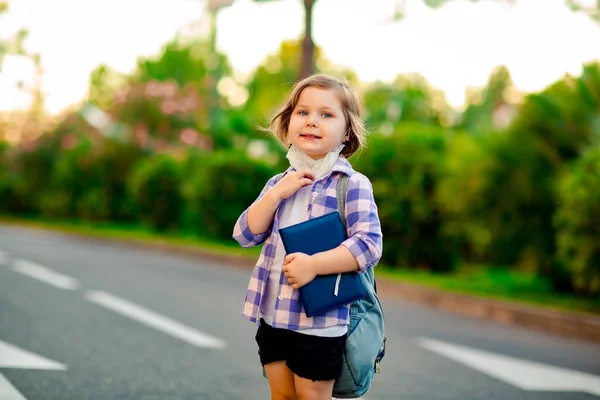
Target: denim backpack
(365,342)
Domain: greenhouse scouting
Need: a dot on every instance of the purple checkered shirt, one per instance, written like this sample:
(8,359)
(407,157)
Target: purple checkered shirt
(364,241)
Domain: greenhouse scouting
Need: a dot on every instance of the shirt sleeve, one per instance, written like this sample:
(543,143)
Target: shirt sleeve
(241,232)
(365,240)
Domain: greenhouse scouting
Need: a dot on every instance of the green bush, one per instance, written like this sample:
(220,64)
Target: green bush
(32,164)
(223,186)
(154,185)
(9,198)
(494,192)
(107,197)
(71,175)
(404,169)
(577,221)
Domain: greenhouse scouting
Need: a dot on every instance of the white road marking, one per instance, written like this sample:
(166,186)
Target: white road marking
(526,375)
(4,258)
(45,275)
(12,356)
(8,391)
(155,320)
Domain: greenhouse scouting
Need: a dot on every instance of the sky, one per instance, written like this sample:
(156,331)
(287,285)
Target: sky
(454,47)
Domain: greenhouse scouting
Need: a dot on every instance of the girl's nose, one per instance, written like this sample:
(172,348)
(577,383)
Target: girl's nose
(311,120)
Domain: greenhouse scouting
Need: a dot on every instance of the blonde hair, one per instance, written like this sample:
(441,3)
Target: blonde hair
(352,106)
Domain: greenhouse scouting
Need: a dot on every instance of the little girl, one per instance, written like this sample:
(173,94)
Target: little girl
(321,125)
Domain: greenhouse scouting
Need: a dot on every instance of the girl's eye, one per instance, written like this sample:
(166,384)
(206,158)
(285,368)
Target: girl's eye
(302,112)
(327,115)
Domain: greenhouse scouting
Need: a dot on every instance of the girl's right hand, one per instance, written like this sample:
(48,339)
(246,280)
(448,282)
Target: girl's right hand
(291,182)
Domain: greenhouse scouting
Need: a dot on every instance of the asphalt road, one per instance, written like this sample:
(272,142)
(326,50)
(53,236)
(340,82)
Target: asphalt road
(82,319)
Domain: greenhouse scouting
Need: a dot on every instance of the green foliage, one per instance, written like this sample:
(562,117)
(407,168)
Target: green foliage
(271,83)
(31,164)
(154,185)
(408,99)
(485,106)
(223,186)
(563,119)
(15,43)
(103,86)
(185,62)
(404,169)
(496,191)
(577,220)
(69,177)
(9,199)
(196,70)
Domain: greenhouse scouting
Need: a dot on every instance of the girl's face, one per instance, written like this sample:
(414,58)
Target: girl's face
(317,125)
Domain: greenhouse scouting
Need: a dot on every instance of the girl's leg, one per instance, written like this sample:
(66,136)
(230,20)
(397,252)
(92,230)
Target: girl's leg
(281,381)
(306,389)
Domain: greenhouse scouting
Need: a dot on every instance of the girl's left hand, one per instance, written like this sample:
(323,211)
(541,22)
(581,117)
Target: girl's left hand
(299,269)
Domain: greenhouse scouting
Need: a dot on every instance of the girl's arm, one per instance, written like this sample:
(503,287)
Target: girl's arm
(335,261)
(365,240)
(261,213)
(300,268)
(253,226)
(241,231)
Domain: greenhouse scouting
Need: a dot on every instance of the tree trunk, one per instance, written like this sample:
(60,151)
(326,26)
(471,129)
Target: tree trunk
(308,46)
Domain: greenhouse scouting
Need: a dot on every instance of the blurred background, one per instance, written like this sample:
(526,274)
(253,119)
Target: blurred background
(142,119)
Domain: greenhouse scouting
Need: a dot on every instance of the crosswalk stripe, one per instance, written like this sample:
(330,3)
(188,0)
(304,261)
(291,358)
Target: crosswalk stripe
(8,391)
(12,356)
(45,275)
(524,374)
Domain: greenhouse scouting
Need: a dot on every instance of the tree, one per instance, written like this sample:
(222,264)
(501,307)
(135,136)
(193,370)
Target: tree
(493,106)
(593,12)
(409,98)
(14,45)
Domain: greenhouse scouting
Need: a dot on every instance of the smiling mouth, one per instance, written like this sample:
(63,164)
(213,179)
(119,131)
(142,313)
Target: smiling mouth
(309,136)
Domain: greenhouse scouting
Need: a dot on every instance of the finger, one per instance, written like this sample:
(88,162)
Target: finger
(289,258)
(295,286)
(307,173)
(306,182)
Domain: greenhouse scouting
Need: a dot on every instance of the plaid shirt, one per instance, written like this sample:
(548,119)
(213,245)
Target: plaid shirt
(364,241)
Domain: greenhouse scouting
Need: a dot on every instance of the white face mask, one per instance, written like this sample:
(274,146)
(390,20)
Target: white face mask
(300,160)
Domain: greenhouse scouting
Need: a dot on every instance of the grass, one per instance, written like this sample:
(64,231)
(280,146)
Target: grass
(134,233)
(496,283)
(481,281)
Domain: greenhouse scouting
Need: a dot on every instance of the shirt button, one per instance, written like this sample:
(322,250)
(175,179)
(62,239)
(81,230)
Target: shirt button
(315,194)
(280,297)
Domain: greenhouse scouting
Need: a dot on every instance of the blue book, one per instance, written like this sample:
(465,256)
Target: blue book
(325,292)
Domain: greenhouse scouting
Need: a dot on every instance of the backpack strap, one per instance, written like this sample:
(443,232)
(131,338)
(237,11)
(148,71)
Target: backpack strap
(341,197)
(341,190)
